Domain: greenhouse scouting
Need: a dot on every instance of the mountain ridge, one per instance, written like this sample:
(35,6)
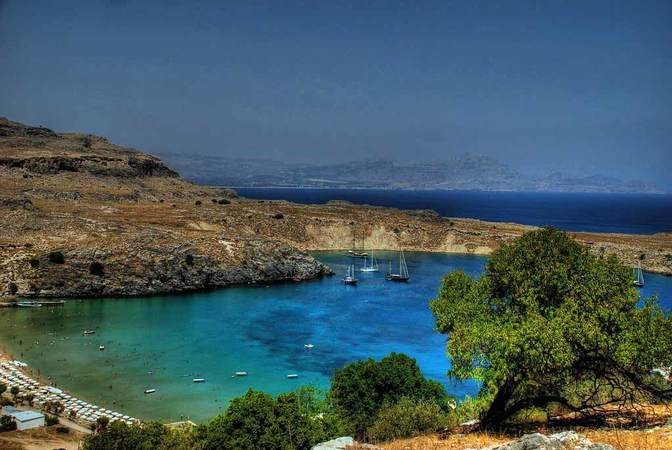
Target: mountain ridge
(465,172)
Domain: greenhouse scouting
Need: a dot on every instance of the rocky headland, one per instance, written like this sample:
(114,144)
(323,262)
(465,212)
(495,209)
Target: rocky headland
(82,217)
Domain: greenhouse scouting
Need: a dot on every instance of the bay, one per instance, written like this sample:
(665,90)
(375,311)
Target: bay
(163,342)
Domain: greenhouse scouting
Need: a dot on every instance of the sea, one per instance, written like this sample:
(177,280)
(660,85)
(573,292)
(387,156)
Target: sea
(164,342)
(605,213)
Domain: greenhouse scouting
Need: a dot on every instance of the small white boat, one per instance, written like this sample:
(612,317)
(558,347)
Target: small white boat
(101,348)
(150,391)
(28,305)
(293,375)
(198,380)
(308,346)
(88,332)
(639,276)
(350,276)
(371,266)
(241,374)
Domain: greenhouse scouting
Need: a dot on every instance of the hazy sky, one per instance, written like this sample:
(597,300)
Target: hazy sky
(578,86)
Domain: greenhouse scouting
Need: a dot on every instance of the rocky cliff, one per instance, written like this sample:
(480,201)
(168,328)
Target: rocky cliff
(83,217)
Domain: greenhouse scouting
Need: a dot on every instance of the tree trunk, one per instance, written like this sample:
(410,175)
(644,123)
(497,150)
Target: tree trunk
(498,411)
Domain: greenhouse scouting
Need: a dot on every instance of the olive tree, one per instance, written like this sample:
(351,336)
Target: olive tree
(549,323)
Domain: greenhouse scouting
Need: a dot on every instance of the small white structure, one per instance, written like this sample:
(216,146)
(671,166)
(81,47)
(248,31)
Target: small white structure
(25,420)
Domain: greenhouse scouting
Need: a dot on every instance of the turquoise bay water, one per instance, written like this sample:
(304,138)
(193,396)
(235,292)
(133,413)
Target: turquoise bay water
(164,342)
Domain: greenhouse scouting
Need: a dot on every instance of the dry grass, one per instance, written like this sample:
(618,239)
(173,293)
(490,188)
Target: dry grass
(655,439)
(451,441)
(40,439)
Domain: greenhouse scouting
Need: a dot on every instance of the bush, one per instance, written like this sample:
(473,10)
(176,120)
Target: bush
(278,216)
(97,268)
(7,423)
(63,430)
(3,388)
(34,263)
(359,390)
(51,420)
(13,288)
(198,203)
(256,420)
(14,390)
(189,259)
(407,418)
(56,257)
(224,201)
(150,435)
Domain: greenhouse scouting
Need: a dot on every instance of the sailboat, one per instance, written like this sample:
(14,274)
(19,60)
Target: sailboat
(639,281)
(353,252)
(403,270)
(350,276)
(372,266)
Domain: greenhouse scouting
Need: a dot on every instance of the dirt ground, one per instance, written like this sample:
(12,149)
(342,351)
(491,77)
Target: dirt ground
(45,438)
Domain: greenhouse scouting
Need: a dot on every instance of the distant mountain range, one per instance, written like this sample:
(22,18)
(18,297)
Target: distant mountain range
(467,172)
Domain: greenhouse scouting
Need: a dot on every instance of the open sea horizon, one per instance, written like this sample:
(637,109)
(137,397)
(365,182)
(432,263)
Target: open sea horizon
(589,212)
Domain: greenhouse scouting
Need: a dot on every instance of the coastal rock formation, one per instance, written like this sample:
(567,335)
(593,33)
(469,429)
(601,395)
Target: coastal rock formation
(83,217)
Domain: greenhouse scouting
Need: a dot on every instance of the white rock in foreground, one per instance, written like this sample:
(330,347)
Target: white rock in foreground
(558,441)
(335,444)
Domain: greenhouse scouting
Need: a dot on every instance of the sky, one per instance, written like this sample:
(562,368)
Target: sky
(581,87)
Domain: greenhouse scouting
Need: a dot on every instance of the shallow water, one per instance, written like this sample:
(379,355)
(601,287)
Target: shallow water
(163,342)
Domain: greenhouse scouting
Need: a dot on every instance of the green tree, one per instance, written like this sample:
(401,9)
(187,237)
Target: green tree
(257,420)
(149,436)
(3,388)
(248,423)
(549,323)
(359,390)
(408,418)
(7,423)
(14,390)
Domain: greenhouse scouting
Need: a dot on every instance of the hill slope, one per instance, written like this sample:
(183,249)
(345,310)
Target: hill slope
(83,217)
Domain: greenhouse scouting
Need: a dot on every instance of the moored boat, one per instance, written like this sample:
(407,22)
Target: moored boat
(198,380)
(370,264)
(639,276)
(150,391)
(28,305)
(349,277)
(402,276)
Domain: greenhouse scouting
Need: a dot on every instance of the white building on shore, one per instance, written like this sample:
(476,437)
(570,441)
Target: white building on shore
(25,420)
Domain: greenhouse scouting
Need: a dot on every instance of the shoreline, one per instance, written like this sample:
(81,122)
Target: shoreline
(46,389)
(253,284)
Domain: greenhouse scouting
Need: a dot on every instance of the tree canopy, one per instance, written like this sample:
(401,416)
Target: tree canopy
(361,389)
(549,323)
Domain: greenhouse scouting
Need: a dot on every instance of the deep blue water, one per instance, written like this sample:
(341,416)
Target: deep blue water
(611,213)
(260,329)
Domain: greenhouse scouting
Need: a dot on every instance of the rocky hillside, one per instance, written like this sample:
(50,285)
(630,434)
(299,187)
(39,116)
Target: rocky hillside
(83,217)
